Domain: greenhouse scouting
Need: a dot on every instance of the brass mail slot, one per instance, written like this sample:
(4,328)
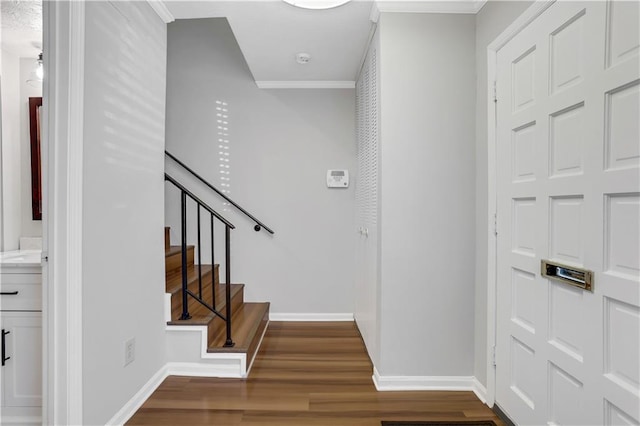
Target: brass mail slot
(576,277)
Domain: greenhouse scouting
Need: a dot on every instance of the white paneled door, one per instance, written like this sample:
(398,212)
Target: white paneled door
(568,191)
(367,105)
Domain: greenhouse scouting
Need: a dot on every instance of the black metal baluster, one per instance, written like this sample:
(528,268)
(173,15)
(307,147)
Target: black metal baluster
(259,225)
(185,304)
(199,258)
(213,265)
(229,343)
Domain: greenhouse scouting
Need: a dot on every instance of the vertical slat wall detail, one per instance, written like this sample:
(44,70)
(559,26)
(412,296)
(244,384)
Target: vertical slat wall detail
(367,112)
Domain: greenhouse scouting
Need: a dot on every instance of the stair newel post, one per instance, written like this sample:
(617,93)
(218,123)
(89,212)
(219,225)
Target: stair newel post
(227,234)
(213,265)
(185,304)
(199,258)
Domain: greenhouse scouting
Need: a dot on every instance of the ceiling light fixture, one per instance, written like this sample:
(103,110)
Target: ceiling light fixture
(303,58)
(317,4)
(36,76)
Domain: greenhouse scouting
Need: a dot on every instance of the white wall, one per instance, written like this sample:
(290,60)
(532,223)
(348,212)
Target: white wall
(17,220)
(123,197)
(281,143)
(494,18)
(11,162)
(427,194)
(29,227)
(1,149)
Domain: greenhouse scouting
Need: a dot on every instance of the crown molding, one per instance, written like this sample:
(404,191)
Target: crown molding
(306,84)
(456,6)
(374,15)
(161,9)
(479,4)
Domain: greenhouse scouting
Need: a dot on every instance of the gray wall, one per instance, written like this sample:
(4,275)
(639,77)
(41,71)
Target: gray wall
(29,227)
(427,194)
(494,18)
(280,145)
(11,204)
(16,214)
(123,196)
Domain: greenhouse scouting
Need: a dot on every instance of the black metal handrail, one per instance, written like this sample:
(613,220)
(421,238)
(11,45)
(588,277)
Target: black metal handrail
(184,193)
(258,225)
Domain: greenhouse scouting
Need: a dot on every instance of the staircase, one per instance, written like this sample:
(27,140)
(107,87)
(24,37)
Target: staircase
(206,353)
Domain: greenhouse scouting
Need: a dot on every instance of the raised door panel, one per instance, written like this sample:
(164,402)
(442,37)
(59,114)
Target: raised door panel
(568,188)
(22,372)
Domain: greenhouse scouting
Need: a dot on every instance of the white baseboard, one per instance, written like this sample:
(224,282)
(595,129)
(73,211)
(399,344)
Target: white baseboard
(171,369)
(420,383)
(130,408)
(310,317)
(480,390)
(382,383)
(256,353)
(21,420)
(197,369)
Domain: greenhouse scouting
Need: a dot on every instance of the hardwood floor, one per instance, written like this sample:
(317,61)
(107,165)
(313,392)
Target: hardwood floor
(304,374)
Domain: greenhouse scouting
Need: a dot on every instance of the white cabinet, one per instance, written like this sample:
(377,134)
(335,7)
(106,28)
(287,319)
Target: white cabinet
(21,323)
(22,365)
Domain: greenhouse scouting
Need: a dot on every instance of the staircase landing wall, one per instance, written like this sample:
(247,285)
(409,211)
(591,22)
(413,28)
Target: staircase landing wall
(279,145)
(123,194)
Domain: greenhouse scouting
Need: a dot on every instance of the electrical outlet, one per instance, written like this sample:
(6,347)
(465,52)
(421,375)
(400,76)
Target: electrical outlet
(129,351)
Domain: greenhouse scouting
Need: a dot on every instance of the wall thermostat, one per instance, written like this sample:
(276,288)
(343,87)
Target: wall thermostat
(338,178)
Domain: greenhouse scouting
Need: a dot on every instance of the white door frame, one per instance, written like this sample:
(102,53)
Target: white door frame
(512,30)
(63,96)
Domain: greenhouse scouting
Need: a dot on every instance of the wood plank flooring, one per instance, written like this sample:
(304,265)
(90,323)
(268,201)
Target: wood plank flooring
(304,374)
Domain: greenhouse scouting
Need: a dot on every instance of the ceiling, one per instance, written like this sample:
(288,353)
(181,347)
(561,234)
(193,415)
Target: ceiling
(21,27)
(271,33)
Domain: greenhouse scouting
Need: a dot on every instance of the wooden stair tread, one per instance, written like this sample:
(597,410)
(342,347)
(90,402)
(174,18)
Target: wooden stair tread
(221,302)
(203,316)
(194,320)
(174,280)
(245,323)
(248,320)
(175,250)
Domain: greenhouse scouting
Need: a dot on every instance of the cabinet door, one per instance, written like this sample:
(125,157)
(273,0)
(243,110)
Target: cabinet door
(22,372)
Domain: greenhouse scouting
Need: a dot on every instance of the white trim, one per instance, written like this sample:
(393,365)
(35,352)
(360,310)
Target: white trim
(374,15)
(48,329)
(527,17)
(509,33)
(75,211)
(191,369)
(63,136)
(167,307)
(365,54)
(130,407)
(310,317)
(258,349)
(468,7)
(238,370)
(479,4)
(161,9)
(420,383)
(306,84)
(479,390)
(22,420)
(196,369)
